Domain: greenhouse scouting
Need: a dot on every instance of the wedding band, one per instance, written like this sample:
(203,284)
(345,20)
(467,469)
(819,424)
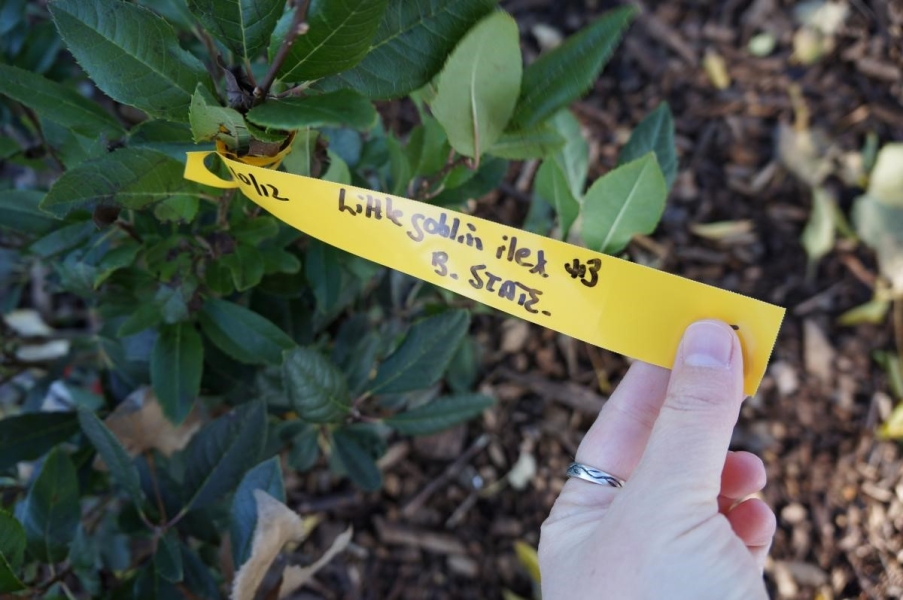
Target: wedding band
(593,475)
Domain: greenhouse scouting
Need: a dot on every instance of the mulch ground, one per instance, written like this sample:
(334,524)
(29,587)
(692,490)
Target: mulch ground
(444,528)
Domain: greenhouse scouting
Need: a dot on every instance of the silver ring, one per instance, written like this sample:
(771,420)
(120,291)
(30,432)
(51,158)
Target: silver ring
(593,475)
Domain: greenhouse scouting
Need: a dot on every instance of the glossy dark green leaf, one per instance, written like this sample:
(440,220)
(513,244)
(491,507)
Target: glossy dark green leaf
(487,178)
(28,436)
(626,201)
(323,269)
(51,512)
(655,133)
(315,386)
(562,75)
(198,576)
(427,147)
(479,85)
(243,334)
(246,266)
(339,36)
(350,448)
(411,45)
(128,177)
(266,476)
(19,212)
(423,355)
(131,54)
(62,239)
(120,464)
(12,551)
(175,368)
(177,209)
(243,26)
(220,454)
(305,449)
(464,368)
(57,102)
(440,414)
(335,109)
(168,558)
(150,585)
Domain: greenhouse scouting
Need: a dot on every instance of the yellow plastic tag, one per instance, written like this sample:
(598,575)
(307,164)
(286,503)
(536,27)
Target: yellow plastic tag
(605,301)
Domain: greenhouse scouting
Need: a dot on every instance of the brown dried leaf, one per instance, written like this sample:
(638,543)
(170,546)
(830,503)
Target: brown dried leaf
(294,576)
(139,424)
(723,230)
(277,526)
(716,69)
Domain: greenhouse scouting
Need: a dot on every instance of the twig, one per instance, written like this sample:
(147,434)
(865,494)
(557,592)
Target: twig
(447,475)
(297,27)
(214,66)
(152,465)
(37,126)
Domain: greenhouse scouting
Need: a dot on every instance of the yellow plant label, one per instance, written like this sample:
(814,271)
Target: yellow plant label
(603,300)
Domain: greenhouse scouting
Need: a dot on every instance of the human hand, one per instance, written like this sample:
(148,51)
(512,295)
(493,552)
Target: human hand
(676,529)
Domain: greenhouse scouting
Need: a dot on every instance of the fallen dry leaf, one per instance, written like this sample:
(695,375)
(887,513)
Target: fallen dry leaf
(817,352)
(716,69)
(27,323)
(723,230)
(293,577)
(277,525)
(139,424)
(886,178)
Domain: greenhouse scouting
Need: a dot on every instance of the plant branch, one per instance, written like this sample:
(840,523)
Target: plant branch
(213,65)
(297,27)
(37,126)
(152,465)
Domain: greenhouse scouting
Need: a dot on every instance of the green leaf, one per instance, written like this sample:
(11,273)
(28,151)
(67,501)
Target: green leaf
(12,540)
(562,75)
(266,476)
(19,212)
(51,511)
(479,85)
(338,38)
(359,464)
(886,178)
(428,148)
(423,356)
(210,121)
(334,109)
(491,172)
(177,362)
(246,265)
(552,185)
(118,258)
(880,225)
(131,54)
(305,449)
(147,315)
(168,558)
(322,268)
(222,452)
(28,436)
(57,102)
(301,157)
(12,550)
(338,171)
(464,368)
(242,334)
(538,142)
(315,386)
(243,26)
(62,239)
(439,414)
(177,209)
(399,167)
(411,45)
(129,177)
(149,585)
(655,133)
(626,201)
(120,464)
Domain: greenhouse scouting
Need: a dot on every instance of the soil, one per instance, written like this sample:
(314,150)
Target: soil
(444,528)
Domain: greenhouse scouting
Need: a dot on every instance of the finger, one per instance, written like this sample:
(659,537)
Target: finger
(685,453)
(743,474)
(617,438)
(754,523)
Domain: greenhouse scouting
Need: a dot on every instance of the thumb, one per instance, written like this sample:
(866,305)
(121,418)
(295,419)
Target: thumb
(690,439)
